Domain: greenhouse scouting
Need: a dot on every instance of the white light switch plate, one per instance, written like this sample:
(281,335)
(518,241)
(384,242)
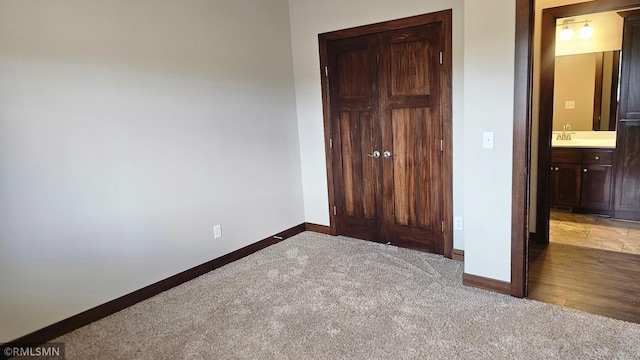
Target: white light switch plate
(487,140)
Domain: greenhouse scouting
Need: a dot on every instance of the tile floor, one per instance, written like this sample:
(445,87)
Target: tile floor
(597,232)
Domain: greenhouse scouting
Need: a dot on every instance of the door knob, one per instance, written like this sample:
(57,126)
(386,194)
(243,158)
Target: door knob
(387,154)
(375,155)
(584,170)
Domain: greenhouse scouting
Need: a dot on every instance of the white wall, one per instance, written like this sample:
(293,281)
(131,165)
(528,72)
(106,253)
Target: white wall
(488,106)
(574,80)
(310,18)
(127,130)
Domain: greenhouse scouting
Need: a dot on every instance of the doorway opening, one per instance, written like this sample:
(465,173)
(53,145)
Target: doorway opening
(579,246)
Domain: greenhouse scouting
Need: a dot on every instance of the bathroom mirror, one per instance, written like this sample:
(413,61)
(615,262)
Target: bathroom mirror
(586,91)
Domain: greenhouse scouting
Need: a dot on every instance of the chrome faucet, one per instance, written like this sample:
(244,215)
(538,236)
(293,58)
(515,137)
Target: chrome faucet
(565,135)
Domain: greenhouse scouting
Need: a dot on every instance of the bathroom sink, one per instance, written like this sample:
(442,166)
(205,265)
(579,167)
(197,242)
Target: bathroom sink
(585,143)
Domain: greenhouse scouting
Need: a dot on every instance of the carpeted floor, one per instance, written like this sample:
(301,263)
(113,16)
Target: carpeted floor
(320,297)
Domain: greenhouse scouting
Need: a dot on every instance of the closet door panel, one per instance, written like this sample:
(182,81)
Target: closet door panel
(353,88)
(411,125)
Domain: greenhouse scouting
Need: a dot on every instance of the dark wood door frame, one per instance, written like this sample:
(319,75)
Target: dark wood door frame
(522,122)
(521,146)
(445,17)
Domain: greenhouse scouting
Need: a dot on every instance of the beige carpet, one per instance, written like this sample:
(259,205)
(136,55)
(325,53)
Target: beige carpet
(319,297)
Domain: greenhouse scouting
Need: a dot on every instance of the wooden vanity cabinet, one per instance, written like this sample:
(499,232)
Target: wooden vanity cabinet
(597,175)
(582,179)
(566,165)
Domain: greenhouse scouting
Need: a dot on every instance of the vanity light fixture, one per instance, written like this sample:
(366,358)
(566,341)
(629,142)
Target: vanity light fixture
(586,31)
(567,32)
(568,27)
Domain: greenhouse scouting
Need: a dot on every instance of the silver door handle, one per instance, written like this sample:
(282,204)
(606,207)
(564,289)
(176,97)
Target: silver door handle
(387,154)
(375,155)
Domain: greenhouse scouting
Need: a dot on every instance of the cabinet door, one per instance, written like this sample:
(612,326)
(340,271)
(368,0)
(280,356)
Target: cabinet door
(596,187)
(627,184)
(565,184)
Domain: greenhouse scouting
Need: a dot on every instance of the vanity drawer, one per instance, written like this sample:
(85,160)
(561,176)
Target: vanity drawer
(567,156)
(597,157)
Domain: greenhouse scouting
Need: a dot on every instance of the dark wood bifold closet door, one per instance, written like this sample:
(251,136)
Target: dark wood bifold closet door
(411,132)
(386,133)
(355,134)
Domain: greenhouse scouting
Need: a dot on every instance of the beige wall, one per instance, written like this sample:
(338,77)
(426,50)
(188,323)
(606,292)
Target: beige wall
(574,81)
(128,129)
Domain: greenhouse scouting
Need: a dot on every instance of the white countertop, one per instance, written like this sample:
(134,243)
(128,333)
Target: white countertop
(586,139)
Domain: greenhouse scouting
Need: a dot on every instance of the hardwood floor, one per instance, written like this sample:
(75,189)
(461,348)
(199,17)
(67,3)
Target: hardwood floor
(593,280)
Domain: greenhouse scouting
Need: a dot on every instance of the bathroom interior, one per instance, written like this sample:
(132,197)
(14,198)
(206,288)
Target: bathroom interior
(582,172)
(584,248)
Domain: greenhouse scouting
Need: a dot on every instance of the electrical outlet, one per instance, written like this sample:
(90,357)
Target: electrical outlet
(457,222)
(217,231)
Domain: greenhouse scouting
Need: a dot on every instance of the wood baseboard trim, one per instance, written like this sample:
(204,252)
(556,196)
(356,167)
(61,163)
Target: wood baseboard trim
(283,235)
(86,317)
(458,255)
(322,229)
(481,282)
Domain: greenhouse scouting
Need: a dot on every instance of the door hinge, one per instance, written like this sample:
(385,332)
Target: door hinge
(326,71)
(442,225)
(441,145)
(330,143)
(440,57)
(334,210)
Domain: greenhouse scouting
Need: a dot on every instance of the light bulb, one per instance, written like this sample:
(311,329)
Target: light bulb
(586,31)
(566,33)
